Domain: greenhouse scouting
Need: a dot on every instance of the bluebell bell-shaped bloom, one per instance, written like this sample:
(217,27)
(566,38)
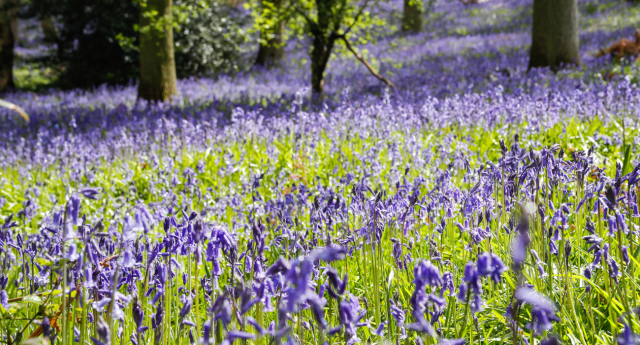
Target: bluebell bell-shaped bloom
(235,335)
(379,331)
(426,273)
(258,328)
(550,341)
(477,303)
(186,308)
(46,327)
(590,227)
(613,225)
(587,274)
(614,270)
(497,268)
(90,193)
(597,258)
(472,278)
(621,223)
(102,330)
(281,265)
(447,284)
(317,305)
(4,299)
(542,311)
(625,254)
(72,252)
(73,209)
(328,254)
(593,240)
(398,314)
(553,249)
(484,265)
(519,251)
(462,293)
(627,337)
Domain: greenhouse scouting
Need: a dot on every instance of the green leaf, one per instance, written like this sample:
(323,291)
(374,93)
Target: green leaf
(33,299)
(626,164)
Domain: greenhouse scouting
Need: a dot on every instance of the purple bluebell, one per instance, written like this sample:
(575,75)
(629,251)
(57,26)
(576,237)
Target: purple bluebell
(625,254)
(550,341)
(543,311)
(627,337)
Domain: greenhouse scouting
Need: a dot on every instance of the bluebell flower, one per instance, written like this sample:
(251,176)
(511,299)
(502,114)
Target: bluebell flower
(426,273)
(90,193)
(627,337)
(625,254)
(550,341)
(234,335)
(328,254)
(542,311)
(621,223)
(613,227)
(587,274)
(484,265)
(593,240)
(462,293)
(4,299)
(447,284)
(380,330)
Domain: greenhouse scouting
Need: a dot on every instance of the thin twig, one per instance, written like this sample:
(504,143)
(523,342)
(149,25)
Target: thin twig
(369,67)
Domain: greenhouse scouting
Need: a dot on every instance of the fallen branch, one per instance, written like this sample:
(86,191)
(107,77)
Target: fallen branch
(54,320)
(469,2)
(369,67)
(14,107)
(623,48)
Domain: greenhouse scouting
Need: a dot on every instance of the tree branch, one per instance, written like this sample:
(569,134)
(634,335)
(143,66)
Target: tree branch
(369,67)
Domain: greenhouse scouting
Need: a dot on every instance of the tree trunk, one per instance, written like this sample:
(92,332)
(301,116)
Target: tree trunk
(49,29)
(271,51)
(555,39)
(8,33)
(157,62)
(412,16)
(320,53)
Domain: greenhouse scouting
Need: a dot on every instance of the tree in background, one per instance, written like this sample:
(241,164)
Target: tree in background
(212,38)
(97,41)
(272,23)
(157,61)
(8,38)
(555,34)
(412,16)
(329,23)
(49,28)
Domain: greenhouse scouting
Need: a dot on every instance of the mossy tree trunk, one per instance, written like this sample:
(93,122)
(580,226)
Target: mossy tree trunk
(49,29)
(555,39)
(412,16)
(320,54)
(271,51)
(8,37)
(157,62)
(324,39)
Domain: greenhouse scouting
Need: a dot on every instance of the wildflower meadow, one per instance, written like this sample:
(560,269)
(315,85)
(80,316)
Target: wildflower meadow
(478,202)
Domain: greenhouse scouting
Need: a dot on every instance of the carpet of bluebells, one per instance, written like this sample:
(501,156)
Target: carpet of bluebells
(475,204)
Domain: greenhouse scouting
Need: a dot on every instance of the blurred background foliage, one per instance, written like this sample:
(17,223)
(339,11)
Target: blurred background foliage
(99,41)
